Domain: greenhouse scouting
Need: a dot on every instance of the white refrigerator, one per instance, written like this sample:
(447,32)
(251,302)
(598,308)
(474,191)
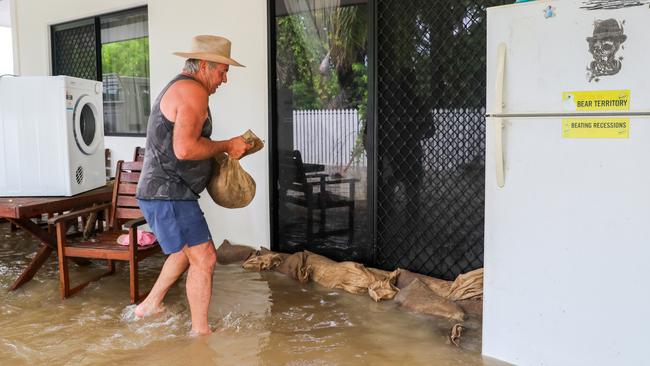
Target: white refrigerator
(567,197)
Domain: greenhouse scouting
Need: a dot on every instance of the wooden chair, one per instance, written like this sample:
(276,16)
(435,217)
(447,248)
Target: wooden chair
(297,187)
(107,163)
(123,211)
(138,154)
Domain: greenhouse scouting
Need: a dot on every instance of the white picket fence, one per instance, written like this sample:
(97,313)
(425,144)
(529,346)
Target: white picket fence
(327,136)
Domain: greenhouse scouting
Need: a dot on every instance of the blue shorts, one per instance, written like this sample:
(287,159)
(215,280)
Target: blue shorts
(176,223)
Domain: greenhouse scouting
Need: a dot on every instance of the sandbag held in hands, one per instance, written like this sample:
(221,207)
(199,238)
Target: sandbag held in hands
(231,186)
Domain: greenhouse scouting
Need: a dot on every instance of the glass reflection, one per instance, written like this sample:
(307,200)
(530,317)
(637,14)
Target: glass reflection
(322,97)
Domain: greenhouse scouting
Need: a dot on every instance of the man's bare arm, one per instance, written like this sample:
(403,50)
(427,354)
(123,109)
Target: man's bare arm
(191,107)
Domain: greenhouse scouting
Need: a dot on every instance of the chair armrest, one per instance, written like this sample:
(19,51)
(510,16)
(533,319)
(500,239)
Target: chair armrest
(135,223)
(74,214)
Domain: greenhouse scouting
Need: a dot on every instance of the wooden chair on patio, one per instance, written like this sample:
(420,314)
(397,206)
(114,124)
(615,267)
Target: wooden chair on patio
(297,187)
(123,211)
(138,154)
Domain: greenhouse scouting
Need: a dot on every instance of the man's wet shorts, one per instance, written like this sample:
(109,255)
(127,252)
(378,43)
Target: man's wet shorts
(176,223)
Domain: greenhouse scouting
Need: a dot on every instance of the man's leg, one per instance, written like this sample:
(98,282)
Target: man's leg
(203,258)
(173,268)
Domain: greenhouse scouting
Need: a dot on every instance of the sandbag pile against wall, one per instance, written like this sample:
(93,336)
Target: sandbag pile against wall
(412,291)
(348,276)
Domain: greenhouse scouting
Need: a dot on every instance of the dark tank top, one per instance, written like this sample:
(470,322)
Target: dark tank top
(164,176)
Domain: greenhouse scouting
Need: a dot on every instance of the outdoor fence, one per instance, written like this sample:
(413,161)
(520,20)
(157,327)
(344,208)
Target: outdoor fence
(328,136)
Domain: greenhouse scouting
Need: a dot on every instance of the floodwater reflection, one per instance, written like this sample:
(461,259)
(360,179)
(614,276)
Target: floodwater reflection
(261,319)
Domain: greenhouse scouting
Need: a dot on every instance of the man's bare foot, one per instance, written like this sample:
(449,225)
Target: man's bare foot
(196,333)
(144,309)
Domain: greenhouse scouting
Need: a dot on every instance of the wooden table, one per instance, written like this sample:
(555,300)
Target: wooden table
(20,210)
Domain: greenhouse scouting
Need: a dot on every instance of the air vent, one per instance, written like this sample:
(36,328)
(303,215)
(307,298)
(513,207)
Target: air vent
(80,175)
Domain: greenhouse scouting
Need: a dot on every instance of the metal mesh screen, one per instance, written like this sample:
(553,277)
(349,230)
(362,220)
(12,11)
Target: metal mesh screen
(75,51)
(431,135)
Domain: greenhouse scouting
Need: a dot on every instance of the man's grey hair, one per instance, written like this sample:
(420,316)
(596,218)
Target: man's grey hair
(192,65)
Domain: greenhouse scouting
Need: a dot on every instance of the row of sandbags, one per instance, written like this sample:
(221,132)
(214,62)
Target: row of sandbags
(412,291)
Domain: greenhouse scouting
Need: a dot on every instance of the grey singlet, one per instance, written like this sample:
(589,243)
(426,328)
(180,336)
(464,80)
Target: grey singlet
(164,176)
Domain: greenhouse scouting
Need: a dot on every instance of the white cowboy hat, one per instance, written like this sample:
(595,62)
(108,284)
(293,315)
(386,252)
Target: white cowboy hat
(210,48)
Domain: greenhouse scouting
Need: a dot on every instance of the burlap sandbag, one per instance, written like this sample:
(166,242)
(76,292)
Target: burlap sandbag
(467,286)
(263,262)
(383,289)
(418,298)
(471,306)
(438,286)
(331,274)
(349,276)
(381,273)
(231,186)
(268,251)
(295,266)
(228,253)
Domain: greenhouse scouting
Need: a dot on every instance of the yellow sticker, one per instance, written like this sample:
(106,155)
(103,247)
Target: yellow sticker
(602,100)
(596,128)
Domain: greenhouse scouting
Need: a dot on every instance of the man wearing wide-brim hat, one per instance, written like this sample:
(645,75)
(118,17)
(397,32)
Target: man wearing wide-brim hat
(177,167)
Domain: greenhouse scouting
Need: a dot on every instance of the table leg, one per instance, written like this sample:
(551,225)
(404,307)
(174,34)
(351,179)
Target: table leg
(41,256)
(48,245)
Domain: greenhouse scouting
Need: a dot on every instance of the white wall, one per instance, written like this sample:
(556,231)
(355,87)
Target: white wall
(236,107)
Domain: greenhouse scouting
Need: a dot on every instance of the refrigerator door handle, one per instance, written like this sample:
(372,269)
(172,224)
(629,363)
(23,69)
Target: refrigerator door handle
(498,122)
(498,151)
(501,72)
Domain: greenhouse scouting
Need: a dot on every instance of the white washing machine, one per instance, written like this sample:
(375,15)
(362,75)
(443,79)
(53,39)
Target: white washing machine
(51,136)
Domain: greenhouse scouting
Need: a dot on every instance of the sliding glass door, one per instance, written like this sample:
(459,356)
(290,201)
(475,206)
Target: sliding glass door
(320,67)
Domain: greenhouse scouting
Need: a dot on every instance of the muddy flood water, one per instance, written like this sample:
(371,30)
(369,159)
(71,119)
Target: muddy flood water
(260,319)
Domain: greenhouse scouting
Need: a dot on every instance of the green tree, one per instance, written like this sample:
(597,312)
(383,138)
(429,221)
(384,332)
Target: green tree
(316,52)
(126,58)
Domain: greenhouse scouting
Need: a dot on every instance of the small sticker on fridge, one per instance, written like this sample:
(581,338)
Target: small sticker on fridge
(599,100)
(596,128)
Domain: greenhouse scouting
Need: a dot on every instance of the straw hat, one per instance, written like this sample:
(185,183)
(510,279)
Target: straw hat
(210,48)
